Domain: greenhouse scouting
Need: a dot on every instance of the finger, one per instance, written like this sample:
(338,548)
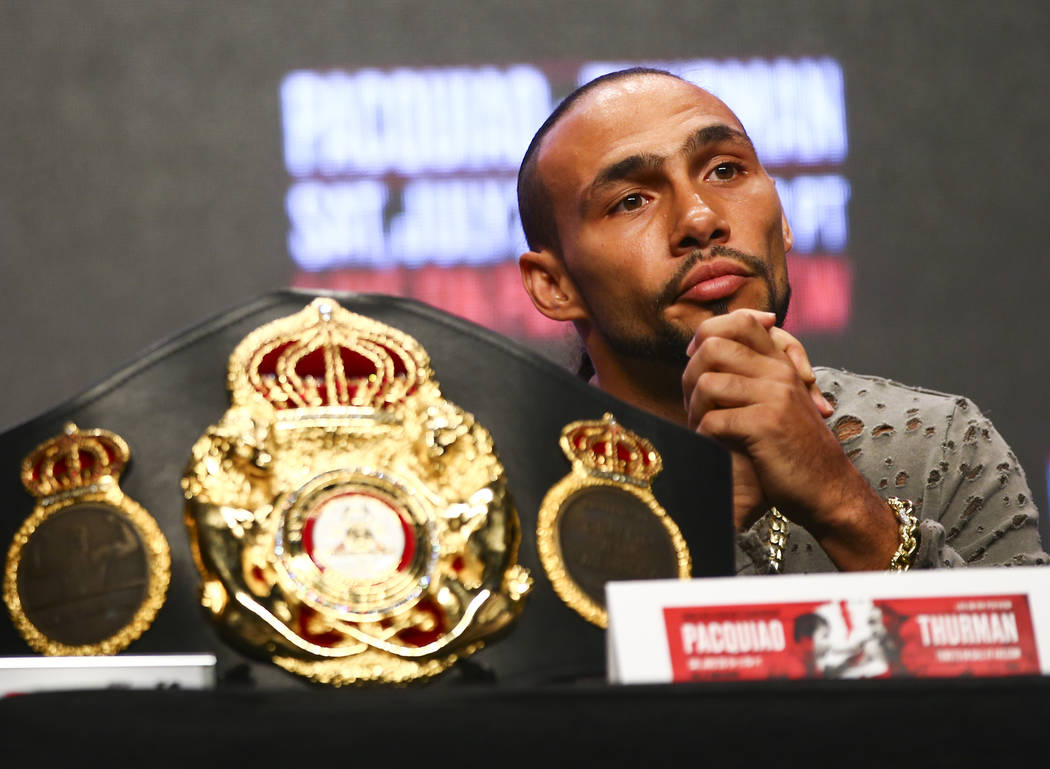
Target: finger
(793,348)
(734,426)
(767,319)
(717,390)
(823,405)
(797,354)
(734,357)
(718,354)
(739,324)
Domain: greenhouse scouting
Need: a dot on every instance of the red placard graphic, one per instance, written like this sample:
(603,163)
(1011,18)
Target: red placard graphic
(933,637)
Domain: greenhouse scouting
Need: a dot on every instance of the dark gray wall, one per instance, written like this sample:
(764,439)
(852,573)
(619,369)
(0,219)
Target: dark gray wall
(141,180)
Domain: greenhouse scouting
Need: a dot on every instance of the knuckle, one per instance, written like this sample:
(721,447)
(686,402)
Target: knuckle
(751,323)
(785,372)
(707,328)
(710,423)
(716,348)
(783,395)
(784,339)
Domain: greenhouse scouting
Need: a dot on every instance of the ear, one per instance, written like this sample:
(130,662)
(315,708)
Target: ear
(549,286)
(785,228)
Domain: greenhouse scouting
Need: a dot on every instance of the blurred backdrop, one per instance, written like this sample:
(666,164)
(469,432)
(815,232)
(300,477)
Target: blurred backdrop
(162,162)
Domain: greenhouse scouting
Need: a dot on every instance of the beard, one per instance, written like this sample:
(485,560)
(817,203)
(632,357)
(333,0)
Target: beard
(667,342)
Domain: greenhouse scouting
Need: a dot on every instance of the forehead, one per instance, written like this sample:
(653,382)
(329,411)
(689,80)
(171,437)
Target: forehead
(641,114)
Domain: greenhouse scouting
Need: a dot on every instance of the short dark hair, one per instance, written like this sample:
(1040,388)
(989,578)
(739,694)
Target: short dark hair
(534,202)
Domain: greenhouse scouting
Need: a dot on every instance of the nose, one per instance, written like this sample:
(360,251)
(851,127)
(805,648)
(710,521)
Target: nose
(697,223)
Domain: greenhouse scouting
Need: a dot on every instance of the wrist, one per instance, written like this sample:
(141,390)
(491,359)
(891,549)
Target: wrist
(860,533)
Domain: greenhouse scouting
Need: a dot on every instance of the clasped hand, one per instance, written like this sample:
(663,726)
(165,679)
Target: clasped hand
(749,385)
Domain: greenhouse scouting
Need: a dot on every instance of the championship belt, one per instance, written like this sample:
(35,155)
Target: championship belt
(89,568)
(601,522)
(349,523)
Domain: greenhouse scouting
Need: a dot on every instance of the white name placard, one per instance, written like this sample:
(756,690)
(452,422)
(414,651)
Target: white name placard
(961,622)
(25,675)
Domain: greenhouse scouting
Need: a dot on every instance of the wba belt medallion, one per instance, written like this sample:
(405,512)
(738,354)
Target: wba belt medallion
(601,522)
(348,522)
(89,568)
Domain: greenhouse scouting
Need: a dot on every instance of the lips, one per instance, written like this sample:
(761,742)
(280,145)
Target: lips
(714,280)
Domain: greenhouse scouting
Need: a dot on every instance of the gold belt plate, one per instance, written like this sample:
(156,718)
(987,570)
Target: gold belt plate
(348,522)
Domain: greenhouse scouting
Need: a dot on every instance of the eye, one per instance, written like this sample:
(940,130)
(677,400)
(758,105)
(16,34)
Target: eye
(725,172)
(631,202)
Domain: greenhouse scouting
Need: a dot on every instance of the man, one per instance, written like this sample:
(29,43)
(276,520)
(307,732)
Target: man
(653,228)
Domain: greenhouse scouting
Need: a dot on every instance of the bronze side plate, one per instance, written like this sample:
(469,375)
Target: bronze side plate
(601,522)
(89,569)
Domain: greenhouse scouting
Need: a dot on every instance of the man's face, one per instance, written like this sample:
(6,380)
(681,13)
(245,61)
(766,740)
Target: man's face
(665,216)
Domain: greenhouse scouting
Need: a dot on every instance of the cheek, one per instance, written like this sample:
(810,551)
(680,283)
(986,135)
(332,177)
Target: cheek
(625,261)
(619,266)
(757,212)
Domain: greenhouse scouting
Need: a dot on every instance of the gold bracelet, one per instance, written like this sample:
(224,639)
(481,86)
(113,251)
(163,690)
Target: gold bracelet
(905,512)
(778,534)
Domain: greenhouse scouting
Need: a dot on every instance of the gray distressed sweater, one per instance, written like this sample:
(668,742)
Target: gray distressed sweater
(939,451)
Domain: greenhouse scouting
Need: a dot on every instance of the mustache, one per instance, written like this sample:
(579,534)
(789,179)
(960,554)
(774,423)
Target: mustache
(673,288)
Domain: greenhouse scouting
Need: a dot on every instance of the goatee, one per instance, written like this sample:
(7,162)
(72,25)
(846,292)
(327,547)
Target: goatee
(670,341)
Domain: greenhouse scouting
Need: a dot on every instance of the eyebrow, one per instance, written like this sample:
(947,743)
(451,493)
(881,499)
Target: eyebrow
(633,166)
(714,134)
(630,167)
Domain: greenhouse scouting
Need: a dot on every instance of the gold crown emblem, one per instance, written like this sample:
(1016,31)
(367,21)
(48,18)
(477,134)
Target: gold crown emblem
(73,460)
(326,356)
(605,447)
